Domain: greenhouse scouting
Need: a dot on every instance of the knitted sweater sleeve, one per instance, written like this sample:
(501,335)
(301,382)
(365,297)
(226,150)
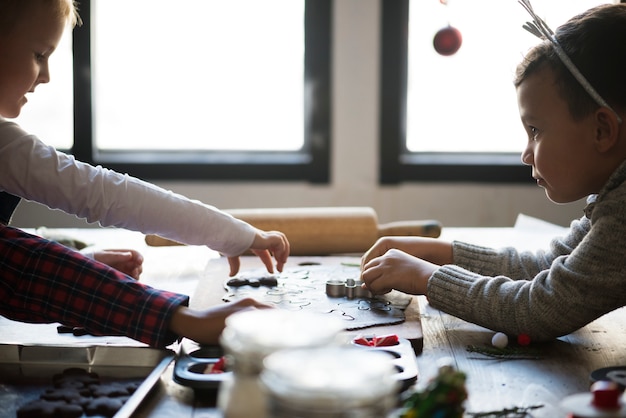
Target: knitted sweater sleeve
(35,171)
(544,294)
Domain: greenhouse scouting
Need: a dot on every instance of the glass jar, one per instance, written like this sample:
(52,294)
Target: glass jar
(330,382)
(250,336)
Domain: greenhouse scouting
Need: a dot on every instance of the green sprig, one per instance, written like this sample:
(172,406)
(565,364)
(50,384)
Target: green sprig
(442,398)
(510,353)
(514,412)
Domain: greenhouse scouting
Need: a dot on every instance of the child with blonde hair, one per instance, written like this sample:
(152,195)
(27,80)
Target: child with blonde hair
(42,281)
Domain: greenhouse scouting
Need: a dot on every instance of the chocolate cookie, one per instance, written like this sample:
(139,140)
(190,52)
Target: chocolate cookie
(75,377)
(104,406)
(76,393)
(111,390)
(65,394)
(42,408)
(131,387)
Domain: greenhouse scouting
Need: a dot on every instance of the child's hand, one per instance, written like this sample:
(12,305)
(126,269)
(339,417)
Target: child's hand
(265,245)
(205,326)
(430,249)
(128,262)
(397,270)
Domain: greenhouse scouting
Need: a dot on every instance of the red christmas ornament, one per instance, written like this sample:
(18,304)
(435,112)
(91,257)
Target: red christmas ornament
(447,41)
(523,339)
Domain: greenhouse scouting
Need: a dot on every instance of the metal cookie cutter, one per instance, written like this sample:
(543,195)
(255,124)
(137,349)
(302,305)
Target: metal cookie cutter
(349,288)
(336,288)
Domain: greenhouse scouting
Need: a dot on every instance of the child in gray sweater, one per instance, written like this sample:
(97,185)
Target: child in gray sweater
(573,113)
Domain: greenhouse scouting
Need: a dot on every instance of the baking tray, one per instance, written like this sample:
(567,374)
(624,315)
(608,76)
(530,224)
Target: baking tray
(191,363)
(26,371)
(403,359)
(193,360)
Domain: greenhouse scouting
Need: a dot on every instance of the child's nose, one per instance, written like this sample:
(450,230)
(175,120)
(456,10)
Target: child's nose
(527,155)
(44,73)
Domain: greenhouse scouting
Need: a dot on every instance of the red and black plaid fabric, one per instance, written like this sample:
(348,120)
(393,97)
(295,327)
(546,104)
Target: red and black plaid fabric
(42,281)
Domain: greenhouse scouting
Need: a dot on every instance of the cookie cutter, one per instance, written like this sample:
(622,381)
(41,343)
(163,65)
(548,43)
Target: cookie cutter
(349,288)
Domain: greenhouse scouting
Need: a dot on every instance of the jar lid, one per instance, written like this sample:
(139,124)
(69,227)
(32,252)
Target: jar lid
(262,331)
(337,377)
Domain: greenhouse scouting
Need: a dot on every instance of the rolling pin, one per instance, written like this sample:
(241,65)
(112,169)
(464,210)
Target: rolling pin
(325,230)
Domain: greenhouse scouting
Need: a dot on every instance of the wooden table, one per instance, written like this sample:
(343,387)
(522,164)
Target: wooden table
(562,368)
(493,384)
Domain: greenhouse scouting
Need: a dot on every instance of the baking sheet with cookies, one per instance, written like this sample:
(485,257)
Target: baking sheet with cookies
(111,380)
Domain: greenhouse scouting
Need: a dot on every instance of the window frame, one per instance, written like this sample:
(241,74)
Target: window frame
(310,164)
(397,163)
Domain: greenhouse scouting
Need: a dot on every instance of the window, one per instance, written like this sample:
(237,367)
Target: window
(455,118)
(199,89)
(48,113)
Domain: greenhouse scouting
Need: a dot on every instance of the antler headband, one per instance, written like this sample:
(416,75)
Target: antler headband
(540,29)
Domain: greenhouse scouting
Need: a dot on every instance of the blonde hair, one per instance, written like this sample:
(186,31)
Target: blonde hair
(67,9)
(13,10)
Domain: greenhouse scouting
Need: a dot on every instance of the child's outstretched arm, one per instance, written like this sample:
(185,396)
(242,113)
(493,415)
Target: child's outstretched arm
(82,293)
(205,326)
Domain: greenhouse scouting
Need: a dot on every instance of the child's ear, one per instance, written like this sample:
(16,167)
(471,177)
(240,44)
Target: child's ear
(607,129)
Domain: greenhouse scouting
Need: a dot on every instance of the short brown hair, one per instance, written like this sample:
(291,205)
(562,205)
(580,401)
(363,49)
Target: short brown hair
(595,41)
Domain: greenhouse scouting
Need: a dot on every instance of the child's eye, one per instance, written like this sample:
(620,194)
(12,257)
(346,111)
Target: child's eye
(40,57)
(534,132)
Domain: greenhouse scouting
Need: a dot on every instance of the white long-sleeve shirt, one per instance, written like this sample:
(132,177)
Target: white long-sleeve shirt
(37,172)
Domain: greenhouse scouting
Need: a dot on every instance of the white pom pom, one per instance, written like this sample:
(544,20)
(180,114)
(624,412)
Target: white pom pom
(499,340)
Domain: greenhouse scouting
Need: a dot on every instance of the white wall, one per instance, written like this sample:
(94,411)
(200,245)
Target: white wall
(354,158)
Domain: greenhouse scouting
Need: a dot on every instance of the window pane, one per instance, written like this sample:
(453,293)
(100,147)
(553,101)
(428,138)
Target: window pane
(466,102)
(49,112)
(198,74)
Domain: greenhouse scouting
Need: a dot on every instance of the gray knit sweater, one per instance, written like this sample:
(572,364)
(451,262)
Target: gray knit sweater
(546,294)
